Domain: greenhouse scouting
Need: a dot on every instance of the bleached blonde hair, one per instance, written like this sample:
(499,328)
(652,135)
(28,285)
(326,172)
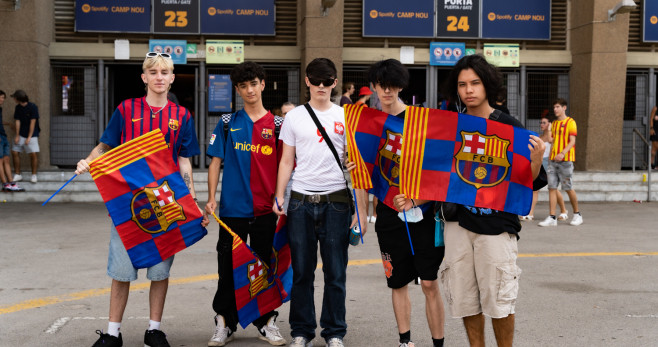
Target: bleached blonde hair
(158,61)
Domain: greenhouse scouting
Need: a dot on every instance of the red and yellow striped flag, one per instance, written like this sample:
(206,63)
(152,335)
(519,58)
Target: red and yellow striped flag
(360,176)
(413,151)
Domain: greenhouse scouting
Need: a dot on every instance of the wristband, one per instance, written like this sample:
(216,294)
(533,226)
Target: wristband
(413,203)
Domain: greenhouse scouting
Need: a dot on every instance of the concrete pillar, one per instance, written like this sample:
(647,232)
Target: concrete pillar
(320,35)
(25,64)
(597,83)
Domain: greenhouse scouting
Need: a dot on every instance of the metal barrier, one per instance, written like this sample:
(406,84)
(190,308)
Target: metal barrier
(648,163)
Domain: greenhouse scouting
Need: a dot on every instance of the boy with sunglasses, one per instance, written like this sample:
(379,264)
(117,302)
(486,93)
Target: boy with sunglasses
(133,118)
(319,208)
(249,152)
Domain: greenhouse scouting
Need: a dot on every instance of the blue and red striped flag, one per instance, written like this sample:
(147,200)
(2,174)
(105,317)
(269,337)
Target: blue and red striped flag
(466,160)
(149,203)
(374,141)
(260,287)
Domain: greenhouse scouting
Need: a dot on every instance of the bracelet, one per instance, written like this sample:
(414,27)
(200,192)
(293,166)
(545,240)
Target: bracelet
(413,203)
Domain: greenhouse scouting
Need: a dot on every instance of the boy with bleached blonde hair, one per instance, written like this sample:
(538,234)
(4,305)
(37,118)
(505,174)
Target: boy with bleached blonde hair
(133,118)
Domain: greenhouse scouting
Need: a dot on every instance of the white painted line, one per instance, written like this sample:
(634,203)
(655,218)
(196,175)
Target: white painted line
(642,315)
(60,322)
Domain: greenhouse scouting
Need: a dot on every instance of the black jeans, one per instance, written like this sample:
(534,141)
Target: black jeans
(261,234)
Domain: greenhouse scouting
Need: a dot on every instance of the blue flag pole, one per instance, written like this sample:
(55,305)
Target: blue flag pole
(408,234)
(358,218)
(58,190)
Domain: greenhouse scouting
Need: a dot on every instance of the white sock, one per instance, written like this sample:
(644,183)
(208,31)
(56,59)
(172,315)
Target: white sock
(153,325)
(113,328)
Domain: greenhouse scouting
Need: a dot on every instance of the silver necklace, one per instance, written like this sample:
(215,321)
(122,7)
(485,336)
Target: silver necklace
(153,113)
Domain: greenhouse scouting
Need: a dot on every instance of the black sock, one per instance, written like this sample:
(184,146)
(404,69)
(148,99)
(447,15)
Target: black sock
(437,342)
(576,213)
(405,337)
(553,216)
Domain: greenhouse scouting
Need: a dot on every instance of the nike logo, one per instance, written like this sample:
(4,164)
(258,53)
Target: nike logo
(235,129)
(134,120)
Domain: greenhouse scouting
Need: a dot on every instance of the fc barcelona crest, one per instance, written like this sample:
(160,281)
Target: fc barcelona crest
(173,124)
(258,274)
(389,158)
(482,159)
(266,133)
(154,209)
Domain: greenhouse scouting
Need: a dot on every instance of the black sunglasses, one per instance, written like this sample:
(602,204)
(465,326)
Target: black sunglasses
(325,82)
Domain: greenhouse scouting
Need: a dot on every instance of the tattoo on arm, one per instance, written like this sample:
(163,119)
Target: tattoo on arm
(100,151)
(188,181)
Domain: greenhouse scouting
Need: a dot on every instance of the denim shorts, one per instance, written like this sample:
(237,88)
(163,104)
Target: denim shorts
(4,146)
(560,172)
(120,268)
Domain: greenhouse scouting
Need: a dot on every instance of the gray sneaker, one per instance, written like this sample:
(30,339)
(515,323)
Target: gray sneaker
(270,333)
(335,342)
(407,344)
(222,335)
(301,341)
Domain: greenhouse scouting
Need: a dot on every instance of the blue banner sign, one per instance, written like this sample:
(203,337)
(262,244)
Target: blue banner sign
(458,18)
(516,19)
(129,16)
(395,18)
(175,48)
(220,96)
(650,22)
(246,17)
(446,53)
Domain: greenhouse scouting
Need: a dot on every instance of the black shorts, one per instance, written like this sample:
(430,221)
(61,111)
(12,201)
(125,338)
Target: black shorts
(400,266)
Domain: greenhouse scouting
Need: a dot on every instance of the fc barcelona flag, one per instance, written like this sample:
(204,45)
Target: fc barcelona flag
(466,160)
(261,287)
(374,141)
(149,203)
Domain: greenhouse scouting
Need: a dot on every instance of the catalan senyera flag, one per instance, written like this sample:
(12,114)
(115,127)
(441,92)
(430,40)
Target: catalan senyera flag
(466,160)
(374,141)
(149,203)
(261,287)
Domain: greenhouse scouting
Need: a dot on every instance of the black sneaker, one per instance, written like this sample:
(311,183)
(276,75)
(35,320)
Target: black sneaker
(155,338)
(108,340)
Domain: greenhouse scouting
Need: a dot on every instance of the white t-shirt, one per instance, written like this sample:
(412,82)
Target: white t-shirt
(317,170)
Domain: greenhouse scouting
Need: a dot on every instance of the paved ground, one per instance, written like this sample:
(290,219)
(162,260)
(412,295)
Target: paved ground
(592,285)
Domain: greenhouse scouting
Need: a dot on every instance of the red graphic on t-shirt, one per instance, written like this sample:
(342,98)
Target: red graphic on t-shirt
(320,134)
(339,128)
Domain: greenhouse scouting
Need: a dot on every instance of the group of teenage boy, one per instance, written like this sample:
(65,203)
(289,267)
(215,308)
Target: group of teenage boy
(26,125)
(477,265)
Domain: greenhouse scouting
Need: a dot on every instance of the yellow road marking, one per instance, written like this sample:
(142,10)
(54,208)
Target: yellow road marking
(51,300)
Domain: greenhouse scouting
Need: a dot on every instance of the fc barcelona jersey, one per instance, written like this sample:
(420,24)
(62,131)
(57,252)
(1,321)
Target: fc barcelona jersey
(250,157)
(134,118)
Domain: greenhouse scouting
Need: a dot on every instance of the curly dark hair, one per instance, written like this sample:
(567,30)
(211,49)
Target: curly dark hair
(489,75)
(247,71)
(388,73)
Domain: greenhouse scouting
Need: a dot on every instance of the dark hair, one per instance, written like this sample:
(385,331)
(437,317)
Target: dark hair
(560,101)
(20,95)
(246,72)
(489,75)
(2,92)
(388,73)
(346,86)
(288,103)
(322,68)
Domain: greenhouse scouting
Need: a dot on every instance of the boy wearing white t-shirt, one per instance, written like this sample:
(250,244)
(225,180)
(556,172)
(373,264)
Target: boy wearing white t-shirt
(319,208)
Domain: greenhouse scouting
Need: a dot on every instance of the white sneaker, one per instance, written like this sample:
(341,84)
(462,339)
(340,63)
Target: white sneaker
(407,344)
(223,335)
(577,219)
(18,178)
(548,222)
(33,179)
(301,341)
(563,216)
(271,334)
(335,342)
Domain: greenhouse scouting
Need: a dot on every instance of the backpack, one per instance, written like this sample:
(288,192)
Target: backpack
(226,118)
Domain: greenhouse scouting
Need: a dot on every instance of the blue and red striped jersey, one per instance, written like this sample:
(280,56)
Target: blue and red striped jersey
(134,118)
(250,160)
